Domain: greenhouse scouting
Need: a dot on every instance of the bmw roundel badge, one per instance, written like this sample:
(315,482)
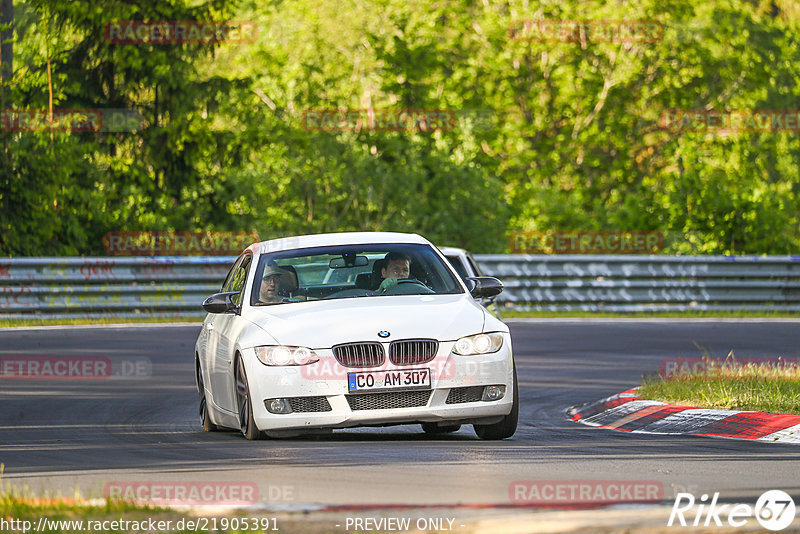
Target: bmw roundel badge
(384,333)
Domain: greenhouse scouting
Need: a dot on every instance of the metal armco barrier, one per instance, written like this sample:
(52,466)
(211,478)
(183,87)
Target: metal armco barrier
(175,286)
(627,283)
(108,287)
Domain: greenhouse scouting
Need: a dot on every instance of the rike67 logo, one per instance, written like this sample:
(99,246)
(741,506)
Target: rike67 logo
(774,510)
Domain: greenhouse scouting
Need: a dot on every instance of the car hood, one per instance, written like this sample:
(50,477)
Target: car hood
(323,324)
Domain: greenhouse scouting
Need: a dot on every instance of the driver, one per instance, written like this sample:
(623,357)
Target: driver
(270,281)
(396,266)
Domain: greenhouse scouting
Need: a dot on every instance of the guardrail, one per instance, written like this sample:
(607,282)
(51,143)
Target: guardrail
(175,286)
(108,287)
(627,283)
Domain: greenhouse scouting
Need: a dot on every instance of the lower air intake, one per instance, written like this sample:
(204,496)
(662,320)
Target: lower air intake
(309,404)
(462,395)
(387,401)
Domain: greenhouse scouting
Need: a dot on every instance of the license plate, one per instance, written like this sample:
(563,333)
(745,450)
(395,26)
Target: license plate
(399,379)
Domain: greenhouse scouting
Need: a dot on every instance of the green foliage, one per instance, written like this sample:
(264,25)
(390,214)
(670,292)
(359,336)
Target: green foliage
(549,135)
(729,384)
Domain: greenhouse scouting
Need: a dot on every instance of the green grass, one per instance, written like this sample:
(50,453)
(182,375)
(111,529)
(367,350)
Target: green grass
(727,384)
(507,314)
(108,320)
(62,513)
(18,505)
(23,505)
(510,314)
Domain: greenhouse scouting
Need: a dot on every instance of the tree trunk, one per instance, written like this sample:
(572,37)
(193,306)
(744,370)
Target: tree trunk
(7,46)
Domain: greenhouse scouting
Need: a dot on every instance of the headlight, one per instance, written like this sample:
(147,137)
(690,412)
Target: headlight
(479,344)
(280,355)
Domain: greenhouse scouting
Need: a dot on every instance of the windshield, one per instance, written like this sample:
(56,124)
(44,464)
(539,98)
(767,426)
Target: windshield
(350,271)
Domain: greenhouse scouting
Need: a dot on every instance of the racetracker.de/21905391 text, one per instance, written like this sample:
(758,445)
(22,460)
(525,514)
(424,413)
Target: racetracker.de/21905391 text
(195,524)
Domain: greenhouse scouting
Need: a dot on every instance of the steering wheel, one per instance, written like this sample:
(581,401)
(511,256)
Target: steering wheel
(416,283)
(410,281)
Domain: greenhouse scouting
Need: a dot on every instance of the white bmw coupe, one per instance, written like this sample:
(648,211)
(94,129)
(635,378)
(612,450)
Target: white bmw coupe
(330,331)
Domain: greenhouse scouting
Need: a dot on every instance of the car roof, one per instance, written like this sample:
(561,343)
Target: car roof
(339,238)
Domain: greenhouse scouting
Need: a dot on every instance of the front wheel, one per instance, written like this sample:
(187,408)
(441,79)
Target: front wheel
(244,404)
(505,428)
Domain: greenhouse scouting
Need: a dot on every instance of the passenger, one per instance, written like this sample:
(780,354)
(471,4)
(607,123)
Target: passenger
(396,266)
(270,281)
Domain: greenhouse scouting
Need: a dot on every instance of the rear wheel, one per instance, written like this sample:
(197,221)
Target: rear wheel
(205,419)
(244,404)
(505,428)
(433,428)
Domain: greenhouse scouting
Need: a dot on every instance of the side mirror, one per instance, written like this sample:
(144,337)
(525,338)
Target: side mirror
(485,287)
(220,303)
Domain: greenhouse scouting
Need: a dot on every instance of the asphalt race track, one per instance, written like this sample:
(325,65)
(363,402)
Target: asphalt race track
(59,436)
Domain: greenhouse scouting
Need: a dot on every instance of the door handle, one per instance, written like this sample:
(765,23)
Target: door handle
(209,326)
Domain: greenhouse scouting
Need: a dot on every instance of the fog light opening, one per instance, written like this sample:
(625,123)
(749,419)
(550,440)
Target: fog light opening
(493,393)
(278,406)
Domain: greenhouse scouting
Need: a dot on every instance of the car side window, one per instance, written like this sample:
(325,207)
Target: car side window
(458,266)
(237,278)
(475,268)
(232,270)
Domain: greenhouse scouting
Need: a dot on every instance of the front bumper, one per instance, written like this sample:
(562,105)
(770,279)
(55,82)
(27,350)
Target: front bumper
(326,380)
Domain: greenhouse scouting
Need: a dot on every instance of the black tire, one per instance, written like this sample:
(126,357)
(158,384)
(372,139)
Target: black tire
(244,405)
(205,419)
(433,428)
(505,428)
